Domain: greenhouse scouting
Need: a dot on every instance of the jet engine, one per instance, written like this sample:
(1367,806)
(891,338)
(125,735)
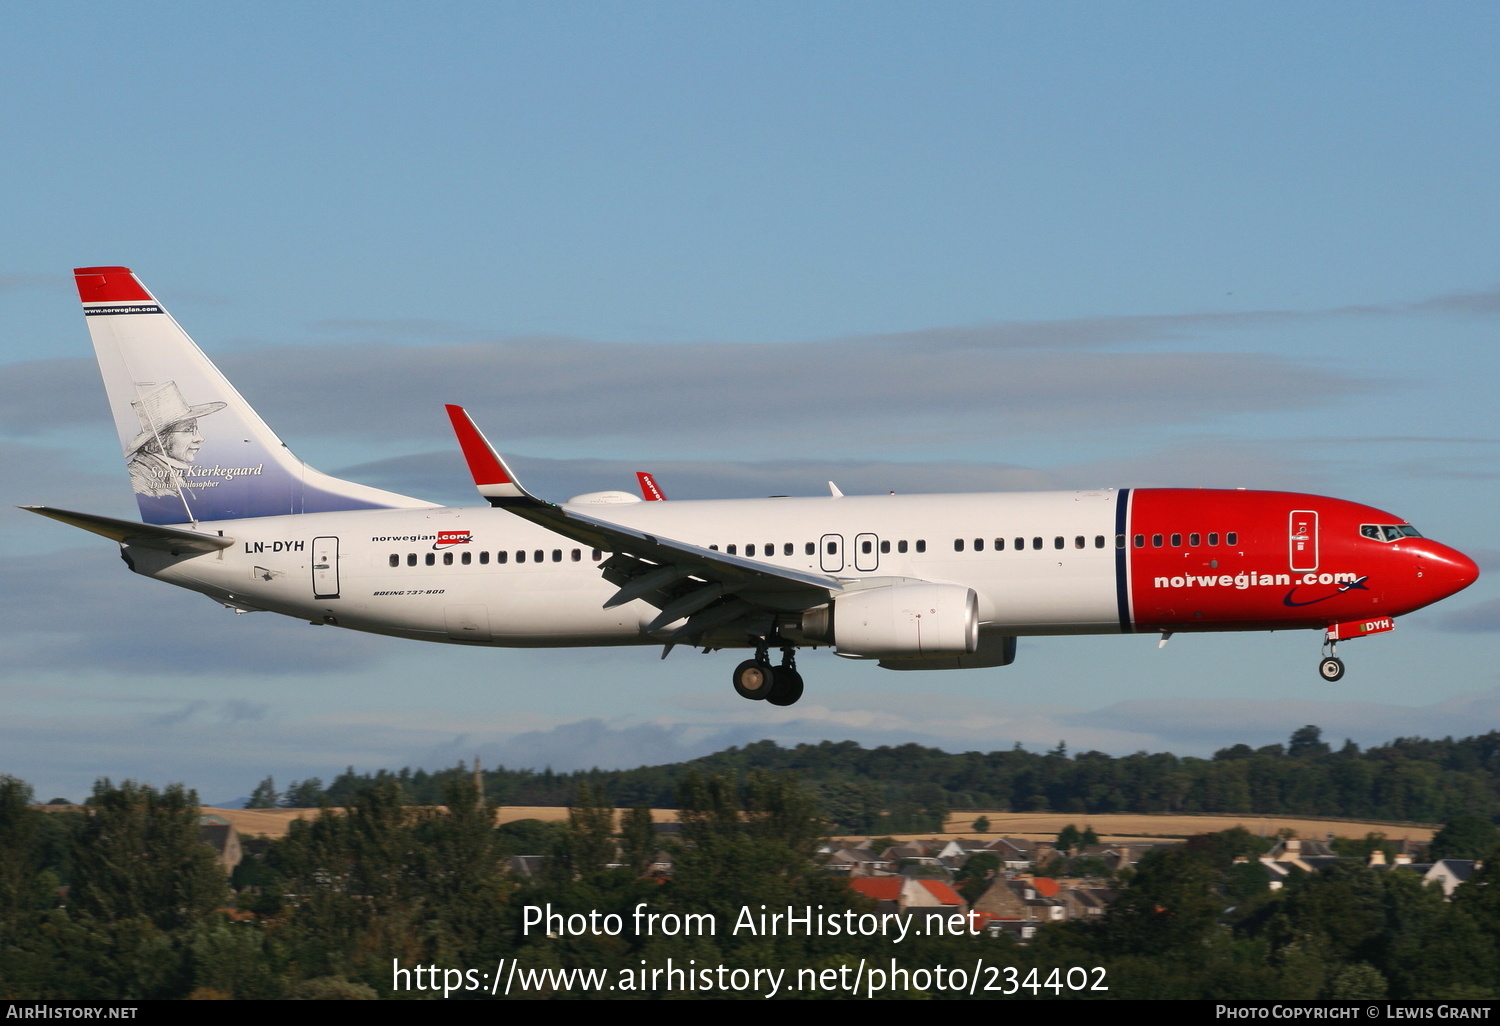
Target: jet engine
(898,621)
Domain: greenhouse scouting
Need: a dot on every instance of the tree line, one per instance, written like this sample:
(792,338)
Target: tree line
(912,788)
(121,901)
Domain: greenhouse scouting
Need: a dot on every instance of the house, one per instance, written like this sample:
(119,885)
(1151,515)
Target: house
(216,832)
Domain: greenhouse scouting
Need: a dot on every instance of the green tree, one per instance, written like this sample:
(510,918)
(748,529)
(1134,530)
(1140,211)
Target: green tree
(638,840)
(1465,837)
(304,794)
(139,855)
(1307,743)
(587,847)
(264,796)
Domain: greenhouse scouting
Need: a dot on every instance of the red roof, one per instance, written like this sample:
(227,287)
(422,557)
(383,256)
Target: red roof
(1045,886)
(942,892)
(881,888)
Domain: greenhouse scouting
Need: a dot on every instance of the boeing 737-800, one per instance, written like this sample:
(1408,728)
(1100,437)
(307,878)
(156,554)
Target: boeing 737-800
(913,582)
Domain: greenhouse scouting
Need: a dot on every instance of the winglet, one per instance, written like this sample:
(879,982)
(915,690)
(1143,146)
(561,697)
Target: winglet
(491,476)
(650,490)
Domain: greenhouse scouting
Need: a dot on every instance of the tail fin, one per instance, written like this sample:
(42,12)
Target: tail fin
(194,448)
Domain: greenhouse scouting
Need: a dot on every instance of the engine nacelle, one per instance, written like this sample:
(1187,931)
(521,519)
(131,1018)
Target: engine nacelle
(903,620)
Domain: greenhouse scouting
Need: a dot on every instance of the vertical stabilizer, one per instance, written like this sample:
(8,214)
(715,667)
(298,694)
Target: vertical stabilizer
(194,448)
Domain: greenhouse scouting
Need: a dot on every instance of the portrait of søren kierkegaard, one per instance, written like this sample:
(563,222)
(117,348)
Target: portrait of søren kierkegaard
(168,442)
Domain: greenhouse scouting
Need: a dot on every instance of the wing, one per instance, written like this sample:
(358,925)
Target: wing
(708,588)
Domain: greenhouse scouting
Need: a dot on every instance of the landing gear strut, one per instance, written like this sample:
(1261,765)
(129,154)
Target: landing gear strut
(1331,667)
(757,680)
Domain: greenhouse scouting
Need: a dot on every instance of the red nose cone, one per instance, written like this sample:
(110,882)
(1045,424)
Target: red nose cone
(1457,569)
(1431,572)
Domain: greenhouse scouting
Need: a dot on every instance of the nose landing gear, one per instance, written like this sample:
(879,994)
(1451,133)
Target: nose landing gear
(1330,667)
(757,680)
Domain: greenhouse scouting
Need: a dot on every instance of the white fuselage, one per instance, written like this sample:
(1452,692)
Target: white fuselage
(485,576)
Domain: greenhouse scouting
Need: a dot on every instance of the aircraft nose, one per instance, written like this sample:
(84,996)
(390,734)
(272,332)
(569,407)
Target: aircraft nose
(1447,568)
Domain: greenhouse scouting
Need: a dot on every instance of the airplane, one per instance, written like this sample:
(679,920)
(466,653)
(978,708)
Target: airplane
(911,582)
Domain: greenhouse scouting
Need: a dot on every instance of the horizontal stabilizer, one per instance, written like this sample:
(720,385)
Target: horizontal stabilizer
(128,532)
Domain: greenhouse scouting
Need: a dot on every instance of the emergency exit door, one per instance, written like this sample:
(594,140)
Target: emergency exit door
(325,568)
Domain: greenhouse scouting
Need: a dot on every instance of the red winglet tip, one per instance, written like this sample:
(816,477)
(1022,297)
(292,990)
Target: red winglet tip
(485,467)
(109,285)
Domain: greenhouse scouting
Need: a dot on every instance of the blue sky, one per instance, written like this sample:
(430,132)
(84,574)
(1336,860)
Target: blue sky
(750,247)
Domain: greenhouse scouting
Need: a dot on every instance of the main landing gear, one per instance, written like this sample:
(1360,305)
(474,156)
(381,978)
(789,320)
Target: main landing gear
(1331,667)
(757,680)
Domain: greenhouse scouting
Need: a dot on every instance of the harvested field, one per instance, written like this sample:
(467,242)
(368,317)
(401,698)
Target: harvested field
(1128,826)
(1033,825)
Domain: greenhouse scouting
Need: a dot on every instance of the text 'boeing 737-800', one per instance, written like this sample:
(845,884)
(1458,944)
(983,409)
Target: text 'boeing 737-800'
(914,582)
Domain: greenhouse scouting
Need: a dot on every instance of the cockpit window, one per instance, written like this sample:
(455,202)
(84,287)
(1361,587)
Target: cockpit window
(1389,532)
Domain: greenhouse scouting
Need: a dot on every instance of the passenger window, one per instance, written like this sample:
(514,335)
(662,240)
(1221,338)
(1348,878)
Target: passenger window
(466,558)
(770,549)
(557,555)
(958,544)
(1213,537)
(1140,541)
(395,559)
(1120,541)
(598,555)
(715,548)
(733,550)
(1195,540)
(901,545)
(1057,542)
(787,550)
(578,555)
(1156,541)
(484,558)
(1079,542)
(1176,541)
(833,548)
(1036,543)
(750,549)
(1099,541)
(520,555)
(538,556)
(1231,538)
(447,559)
(921,545)
(502,556)
(431,559)
(1020,544)
(866,547)
(411,559)
(810,549)
(885,546)
(999,544)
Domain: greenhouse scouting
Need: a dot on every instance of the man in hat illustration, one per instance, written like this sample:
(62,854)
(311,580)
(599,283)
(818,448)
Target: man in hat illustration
(168,441)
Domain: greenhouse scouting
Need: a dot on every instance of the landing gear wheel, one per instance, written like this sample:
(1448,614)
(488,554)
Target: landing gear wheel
(1331,668)
(754,679)
(788,687)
